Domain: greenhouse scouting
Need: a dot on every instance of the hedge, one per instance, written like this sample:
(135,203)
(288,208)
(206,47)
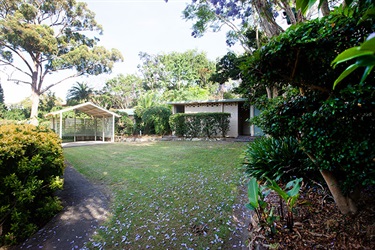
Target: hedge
(31,163)
(200,124)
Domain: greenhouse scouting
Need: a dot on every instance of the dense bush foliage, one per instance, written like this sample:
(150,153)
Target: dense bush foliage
(200,124)
(338,133)
(124,125)
(279,159)
(156,120)
(335,127)
(31,163)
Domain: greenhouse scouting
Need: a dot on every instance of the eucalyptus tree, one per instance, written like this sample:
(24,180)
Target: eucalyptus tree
(240,16)
(43,37)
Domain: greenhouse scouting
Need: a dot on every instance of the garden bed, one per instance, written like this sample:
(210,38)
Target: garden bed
(319,225)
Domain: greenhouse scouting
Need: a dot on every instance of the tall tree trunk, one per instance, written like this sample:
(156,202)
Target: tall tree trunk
(35,94)
(344,203)
(285,5)
(269,93)
(34,107)
(267,21)
(325,8)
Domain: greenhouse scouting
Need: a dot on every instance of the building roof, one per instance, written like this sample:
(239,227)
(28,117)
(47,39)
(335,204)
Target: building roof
(208,101)
(130,112)
(87,108)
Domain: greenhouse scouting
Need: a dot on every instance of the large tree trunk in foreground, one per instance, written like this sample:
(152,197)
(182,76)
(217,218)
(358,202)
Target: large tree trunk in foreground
(344,203)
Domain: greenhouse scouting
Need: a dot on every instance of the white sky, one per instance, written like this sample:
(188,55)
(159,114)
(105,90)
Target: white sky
(132,26)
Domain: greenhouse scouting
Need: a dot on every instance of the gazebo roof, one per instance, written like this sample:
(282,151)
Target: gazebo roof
(87,108)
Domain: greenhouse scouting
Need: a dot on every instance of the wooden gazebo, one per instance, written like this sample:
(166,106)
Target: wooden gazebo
(99,124)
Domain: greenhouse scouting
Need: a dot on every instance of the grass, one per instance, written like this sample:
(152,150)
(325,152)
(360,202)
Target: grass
(167,195)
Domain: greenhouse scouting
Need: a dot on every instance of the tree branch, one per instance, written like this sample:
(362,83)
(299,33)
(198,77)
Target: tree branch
(20,56)
(56,83)
(15,67)
(235,29)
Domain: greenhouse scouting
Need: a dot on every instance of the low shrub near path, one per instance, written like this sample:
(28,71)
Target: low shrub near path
(167,195)
(31,163)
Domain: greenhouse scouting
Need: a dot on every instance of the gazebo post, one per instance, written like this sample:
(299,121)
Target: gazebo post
(113,129)
(75,127)
(60,132)
(103,124)
(96,127)
(53,124)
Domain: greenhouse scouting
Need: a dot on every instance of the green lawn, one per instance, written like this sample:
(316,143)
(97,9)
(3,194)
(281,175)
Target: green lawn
(167,195)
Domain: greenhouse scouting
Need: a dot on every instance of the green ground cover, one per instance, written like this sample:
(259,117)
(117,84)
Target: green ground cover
(167,195)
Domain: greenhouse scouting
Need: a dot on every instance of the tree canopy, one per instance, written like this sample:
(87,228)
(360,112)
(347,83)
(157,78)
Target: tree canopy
(176,75)
(39,38)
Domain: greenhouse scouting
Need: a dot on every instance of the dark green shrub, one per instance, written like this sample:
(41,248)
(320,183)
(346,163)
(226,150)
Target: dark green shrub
(178,124)
(31,163)
(156,120)
(223,124)
(277,159)
(194,125)
(125,125)
(200,124)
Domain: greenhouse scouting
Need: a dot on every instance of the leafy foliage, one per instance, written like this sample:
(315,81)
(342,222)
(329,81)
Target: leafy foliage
(334,127)
(227,68)
(240,16)
(364,55)
(122,90)
(156,120)
(175,71)
(257,195)
(303,54)
(277,159)
(200,124)
(289,197)
(79,93)
(124,125)
(31,163)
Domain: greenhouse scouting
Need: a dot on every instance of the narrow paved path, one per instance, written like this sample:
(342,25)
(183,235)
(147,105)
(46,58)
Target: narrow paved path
(85,207)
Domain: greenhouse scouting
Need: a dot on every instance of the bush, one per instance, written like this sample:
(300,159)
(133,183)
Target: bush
(200,124)
(178,124)
(277,159)
(156,120)
(31,163)
(125,125)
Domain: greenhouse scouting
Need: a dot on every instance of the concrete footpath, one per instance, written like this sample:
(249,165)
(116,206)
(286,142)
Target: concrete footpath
(85,208)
